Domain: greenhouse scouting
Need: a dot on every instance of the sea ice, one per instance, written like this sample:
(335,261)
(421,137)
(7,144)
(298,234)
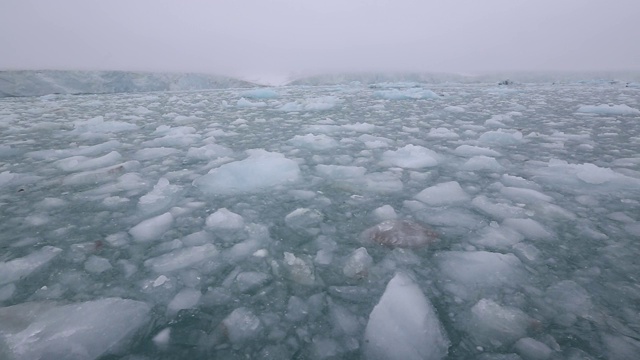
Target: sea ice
(181,258)
(152,228)
(605,109)
(97,265)
(241,326)
(446,193)
(161,198)
(411,157)
(530,228)
(304,221)
(186,299)
(223,219)
(482,163)
(501,137)
(385,212)
(99,125)
(78,331)
(442,133)
(493,326)
(244,103)
(19,268)
(404,325)
(532,349)
(499,237)
(407,94)
(358,264)
(298,269)
(473,274)
(314,142)
(260,171)
(78,163)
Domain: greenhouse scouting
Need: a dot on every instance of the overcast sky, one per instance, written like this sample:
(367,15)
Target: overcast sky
(252,37)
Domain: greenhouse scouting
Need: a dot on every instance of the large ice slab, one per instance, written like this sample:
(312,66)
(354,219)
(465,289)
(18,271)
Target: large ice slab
(404,325)
(260,171)
(19,268)
(470,275)
(80,331)
(443,194)
(604,109)
(411,157)
(181,258)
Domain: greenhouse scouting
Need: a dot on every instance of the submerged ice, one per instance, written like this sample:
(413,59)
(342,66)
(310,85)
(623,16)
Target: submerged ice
(400,220)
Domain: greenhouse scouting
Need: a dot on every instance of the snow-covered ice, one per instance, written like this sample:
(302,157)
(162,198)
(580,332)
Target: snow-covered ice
(293,222)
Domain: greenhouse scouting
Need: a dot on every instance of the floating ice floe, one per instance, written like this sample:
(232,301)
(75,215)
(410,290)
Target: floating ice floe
(605,109)
(501,137)
(404,325)
(411,157)
(314,142)
(181,258)
(493,326)
(78,331)
(406,94)
(99,125)
(468,275)
(260,171)
(311,104)
(443,194)
(244,103)
(16,269)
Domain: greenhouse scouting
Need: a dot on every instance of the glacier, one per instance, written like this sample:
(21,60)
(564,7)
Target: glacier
(45,82)
(182,222)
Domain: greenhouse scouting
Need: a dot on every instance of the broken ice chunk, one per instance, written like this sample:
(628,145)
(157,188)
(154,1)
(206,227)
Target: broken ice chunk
(493,326)
(260,171)
(297,309)
(404,325)
(482,162)
(385,212)
(97,265)
(241,326)
(411,157)
(186,299)
(570,301)
(304,221)
(153,228)
(224,219)
(532,349)
(443,194)
(160,198)
(19,268)
(470,274)
(358,264)
(181,258)
(299,270)
(80,331)
(250,281)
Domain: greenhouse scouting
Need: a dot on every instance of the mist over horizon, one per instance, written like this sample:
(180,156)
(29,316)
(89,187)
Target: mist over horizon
(285,38)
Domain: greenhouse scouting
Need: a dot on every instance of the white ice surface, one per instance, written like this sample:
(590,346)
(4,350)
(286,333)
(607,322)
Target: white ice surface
(260,171)
(77,331)
(404,325)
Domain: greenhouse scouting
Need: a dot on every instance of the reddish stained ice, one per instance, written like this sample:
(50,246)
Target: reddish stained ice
(399,233)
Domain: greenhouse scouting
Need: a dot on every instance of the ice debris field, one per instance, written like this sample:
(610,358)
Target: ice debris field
(402,221)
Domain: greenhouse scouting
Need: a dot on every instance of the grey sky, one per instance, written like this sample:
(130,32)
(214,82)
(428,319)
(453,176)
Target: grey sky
(284,36)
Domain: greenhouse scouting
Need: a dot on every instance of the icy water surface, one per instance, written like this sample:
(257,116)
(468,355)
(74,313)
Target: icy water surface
(227,224)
